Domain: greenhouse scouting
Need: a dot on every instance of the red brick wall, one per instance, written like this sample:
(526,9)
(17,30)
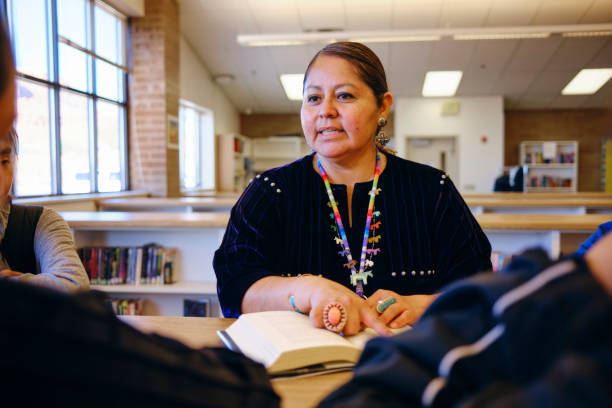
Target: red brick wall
(587,126)
(154,94)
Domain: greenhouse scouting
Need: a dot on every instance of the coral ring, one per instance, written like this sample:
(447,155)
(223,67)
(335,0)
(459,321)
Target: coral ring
(334,317)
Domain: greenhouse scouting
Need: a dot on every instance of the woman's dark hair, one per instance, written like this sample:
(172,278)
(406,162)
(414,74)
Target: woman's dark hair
(366,63)
(7,65)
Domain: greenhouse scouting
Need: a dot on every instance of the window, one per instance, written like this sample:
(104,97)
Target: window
(71,95)
(196,147)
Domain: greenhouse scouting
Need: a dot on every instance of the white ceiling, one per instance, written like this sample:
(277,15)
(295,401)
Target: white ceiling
(529,73)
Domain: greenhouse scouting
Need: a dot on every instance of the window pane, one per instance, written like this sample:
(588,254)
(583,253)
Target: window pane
(33,175)
(29,21)
(74,143)
(109,36)
(109,81)
(71,21)
(110,135)
(189,149)
(73,68)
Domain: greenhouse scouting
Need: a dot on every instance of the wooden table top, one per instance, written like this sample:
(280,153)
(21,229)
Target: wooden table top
(168,202)
(107,220)
(545,194)
(198,332)
(569,222)
(524,201)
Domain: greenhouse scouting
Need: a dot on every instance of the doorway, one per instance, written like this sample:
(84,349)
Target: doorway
(438,152)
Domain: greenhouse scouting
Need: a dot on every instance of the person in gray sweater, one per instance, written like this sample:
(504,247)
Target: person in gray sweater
(36,244)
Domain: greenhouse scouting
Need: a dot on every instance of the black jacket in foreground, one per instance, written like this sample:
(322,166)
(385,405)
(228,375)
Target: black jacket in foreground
(425,235)
(516,339)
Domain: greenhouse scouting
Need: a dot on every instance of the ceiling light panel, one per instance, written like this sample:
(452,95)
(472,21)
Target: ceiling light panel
(587,81)
(293,86)
(441,83)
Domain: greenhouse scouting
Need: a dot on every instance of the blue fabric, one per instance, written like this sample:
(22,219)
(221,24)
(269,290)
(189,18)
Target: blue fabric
(281,226)
(554,350)
(602,230)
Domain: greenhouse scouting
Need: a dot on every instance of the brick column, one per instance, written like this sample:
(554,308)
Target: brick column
(154,94)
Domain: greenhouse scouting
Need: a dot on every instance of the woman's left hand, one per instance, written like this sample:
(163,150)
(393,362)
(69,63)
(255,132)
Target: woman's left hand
(405,310)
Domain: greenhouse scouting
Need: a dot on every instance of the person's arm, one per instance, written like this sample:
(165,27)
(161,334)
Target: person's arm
(459,245)
(60,266)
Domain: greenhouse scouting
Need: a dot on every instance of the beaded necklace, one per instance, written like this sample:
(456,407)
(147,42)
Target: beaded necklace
(358,279)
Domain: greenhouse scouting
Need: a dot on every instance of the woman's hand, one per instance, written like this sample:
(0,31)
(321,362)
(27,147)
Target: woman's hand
(7,273)
(405,310)
(313,293)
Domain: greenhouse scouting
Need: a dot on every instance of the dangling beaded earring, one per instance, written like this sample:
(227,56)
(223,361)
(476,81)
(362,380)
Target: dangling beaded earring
(380,138)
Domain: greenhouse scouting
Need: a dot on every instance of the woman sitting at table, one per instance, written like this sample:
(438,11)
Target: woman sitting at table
(351,234)
(36,244)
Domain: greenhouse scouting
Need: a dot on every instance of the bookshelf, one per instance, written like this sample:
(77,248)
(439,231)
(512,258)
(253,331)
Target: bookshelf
(233,164)
(195,235)
(549,166)
(275,151)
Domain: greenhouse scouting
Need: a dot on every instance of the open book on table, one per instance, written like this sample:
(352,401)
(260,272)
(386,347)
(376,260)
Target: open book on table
(287,344)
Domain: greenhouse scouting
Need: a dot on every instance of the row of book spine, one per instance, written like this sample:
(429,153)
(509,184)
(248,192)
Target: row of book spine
(549,181)
(500,260)
(150,264)
(129,307)
(538,158)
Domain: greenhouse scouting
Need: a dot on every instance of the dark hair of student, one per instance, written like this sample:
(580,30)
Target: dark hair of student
(366,63)
(7,65)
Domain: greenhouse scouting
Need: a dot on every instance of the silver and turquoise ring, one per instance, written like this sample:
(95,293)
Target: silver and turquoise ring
(384,304)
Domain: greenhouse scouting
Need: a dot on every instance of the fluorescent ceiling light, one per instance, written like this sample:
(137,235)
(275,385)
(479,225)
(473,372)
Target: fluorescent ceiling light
(293,86)
(499,36)
(404,38)
(587,81)
(587,34)
(441,83)
(433,34)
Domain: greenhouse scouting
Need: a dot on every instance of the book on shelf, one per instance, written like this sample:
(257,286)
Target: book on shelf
(130,307)
(288,345)
(149,264)
(499,260)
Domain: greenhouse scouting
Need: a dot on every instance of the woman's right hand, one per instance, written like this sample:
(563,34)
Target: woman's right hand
(313,293)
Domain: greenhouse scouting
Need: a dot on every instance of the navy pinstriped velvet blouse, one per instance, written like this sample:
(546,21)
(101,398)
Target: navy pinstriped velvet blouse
(282,226)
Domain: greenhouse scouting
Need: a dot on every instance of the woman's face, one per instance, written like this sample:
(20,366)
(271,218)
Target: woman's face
(7,117)
(339,111)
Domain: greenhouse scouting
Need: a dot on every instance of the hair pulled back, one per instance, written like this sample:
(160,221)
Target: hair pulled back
(366,64)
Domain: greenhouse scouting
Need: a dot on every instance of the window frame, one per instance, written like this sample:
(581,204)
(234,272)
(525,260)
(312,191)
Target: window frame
(204,114)
(55,88)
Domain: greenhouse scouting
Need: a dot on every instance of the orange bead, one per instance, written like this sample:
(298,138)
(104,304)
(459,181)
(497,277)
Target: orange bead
(334,315)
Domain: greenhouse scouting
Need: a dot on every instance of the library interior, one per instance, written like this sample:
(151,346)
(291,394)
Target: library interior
(189,162)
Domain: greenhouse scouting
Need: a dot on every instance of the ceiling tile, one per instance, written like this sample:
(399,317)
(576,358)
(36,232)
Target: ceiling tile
(463,14)
(313,19)
(451,55)
(368,18)
(289,60)
(416,17)
(549,83)
(604,58)
(533,54)
(575,53)
(477,82)
(599,12)
(505,13)
(280,21)
(561,12)
(409,57)
(513,83)
(492,55)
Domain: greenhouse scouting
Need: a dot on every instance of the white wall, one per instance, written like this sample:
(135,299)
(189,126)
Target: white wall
(478,116)
(197,86)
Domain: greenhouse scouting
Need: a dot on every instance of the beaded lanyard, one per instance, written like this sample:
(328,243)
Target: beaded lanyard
(357,278)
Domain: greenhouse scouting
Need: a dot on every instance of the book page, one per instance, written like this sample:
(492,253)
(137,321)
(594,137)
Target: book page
(290,330)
